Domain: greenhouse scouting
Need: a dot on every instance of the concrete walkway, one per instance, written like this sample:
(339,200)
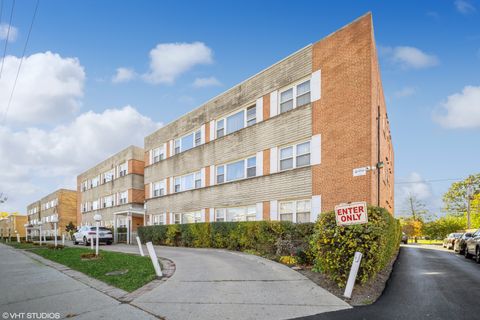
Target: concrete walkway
(220,284)
(30,287)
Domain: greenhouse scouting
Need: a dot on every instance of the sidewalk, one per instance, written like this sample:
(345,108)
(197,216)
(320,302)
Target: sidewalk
(30,287)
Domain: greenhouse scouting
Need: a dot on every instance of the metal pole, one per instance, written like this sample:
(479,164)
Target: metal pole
(140,247)
(55,224)
(468,213)
(96,241)
(353,275)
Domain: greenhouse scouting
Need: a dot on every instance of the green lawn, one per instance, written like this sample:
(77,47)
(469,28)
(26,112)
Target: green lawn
(422,241)
(140,269)
(21,245)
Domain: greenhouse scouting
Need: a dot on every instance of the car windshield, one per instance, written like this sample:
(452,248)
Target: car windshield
(457,235)
(100,229)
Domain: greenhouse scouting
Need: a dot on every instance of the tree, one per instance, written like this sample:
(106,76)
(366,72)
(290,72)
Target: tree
(439,228)
(415,208)
(455,199)
(412,228)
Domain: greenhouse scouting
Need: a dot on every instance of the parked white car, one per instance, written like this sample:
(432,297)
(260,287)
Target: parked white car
(85,233)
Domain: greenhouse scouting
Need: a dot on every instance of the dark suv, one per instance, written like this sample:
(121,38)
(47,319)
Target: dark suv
(472,246)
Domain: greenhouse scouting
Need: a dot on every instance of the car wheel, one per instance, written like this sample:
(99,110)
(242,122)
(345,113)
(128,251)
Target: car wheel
(467,255)
(477,255)
(74,241)
(85,242)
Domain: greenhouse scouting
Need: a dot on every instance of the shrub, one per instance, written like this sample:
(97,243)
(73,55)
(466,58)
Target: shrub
(263,237)
(334,246)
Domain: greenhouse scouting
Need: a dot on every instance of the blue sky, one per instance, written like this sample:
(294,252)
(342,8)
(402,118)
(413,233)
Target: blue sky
(429,51)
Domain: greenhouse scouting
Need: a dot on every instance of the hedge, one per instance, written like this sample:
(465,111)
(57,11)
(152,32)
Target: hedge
(334,246)
(263,237)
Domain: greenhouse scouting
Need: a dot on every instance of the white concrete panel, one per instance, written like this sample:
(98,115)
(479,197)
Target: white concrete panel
(273,160)
(202,133)
(259,211)
(316,208)
(212,214)
(259,109)
(202,174)
(212,130)
(316,86)
(212,175)
(274,210)
(316,149)
(260,163)
(273,104)
(203,215)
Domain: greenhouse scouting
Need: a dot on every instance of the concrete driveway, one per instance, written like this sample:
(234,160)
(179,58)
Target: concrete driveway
(220,284)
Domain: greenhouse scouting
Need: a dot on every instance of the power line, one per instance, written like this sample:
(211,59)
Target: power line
(428,181)
(21,61)
(8,35)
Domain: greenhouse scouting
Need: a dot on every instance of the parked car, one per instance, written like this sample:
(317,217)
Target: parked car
(459,245)
(85,233)
(449,241)
(404,238)
(472,246)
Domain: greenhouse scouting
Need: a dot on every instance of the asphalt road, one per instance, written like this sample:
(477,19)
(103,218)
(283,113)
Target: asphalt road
(426,283)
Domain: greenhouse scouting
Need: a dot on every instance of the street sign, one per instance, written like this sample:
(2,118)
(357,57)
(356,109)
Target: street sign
(360,171)
(351,213)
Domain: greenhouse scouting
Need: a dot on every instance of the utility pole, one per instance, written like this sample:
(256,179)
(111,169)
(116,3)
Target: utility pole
(470,193)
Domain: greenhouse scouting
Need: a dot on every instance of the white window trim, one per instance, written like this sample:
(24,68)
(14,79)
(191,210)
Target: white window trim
(182,184)
(245,163)
(244,109)
(294,93)
(164,188)
(294,213)
(294,147)
(202,140)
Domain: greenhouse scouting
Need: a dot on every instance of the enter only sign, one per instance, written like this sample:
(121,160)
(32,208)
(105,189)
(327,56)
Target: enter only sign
(351,213)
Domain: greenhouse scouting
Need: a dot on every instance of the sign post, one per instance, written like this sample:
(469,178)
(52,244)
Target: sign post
(140,247)
(153,257)
(351,213)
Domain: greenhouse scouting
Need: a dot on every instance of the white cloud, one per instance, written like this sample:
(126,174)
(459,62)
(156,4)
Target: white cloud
(409,57)
(416,186)
(48,90)
(461,110)
(12,34)
(34,161)
(464,6)
(206,82)
(123,75)
(170,60)
(405,92)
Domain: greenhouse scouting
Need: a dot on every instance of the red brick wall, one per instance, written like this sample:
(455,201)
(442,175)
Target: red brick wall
(266,210)
(136,166)
(266,106)
(147,191)
(266,161)
(207,132)
(136,196)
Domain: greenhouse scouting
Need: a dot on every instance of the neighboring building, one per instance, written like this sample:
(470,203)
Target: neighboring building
(13,224)
(114,189)
(283,144)
(62,204)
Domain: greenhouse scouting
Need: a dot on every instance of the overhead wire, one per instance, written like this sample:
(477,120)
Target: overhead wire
(7,38)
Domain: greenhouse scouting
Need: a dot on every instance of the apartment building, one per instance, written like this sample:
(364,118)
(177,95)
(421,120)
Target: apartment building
(12,225)
(294,140)
(61,204)
(114,189)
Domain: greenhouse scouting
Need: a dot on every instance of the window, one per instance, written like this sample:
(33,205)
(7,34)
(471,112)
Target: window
(303,154)
(95,205)
(286,158)
(158,154)
(159,189)
(188,182)
(192,217)
(178,184)
(303,93)
(94,182)
(187,142)
(295,156)
(177,146)
(236,122)
(251,167)
(158,219)
(236,214)
(122,169)
(108,176)
(236,170)
(84,185)
(251,115)
(294,97)
(295,211)
(177,218)
(198,138)
(220,174)
(123,197)
(286,100)
(220,128)
(108,201)
(198,180)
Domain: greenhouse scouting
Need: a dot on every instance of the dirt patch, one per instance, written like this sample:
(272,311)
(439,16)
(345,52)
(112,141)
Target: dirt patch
(90,256)
(362,295)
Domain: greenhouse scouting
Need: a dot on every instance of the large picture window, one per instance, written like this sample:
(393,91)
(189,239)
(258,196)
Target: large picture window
(236,122)
(295,211)
(236,214)
(295,156)
(188,182)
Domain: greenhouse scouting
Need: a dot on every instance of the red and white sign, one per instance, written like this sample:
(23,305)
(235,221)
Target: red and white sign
(351,213)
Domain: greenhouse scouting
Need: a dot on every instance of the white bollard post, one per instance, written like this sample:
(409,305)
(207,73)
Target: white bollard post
(140,247)
(40,234)
(63,240)
(153,257)
(353,275)
(18,238)
(56,243)
(96,239)
(91,242)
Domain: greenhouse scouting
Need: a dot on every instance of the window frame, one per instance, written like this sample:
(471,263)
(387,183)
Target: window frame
(182,186)
(245,170)
(180,143)
(294,155)
(294,87)
(161,189)
(295,210)
(158,154)
(243,109)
